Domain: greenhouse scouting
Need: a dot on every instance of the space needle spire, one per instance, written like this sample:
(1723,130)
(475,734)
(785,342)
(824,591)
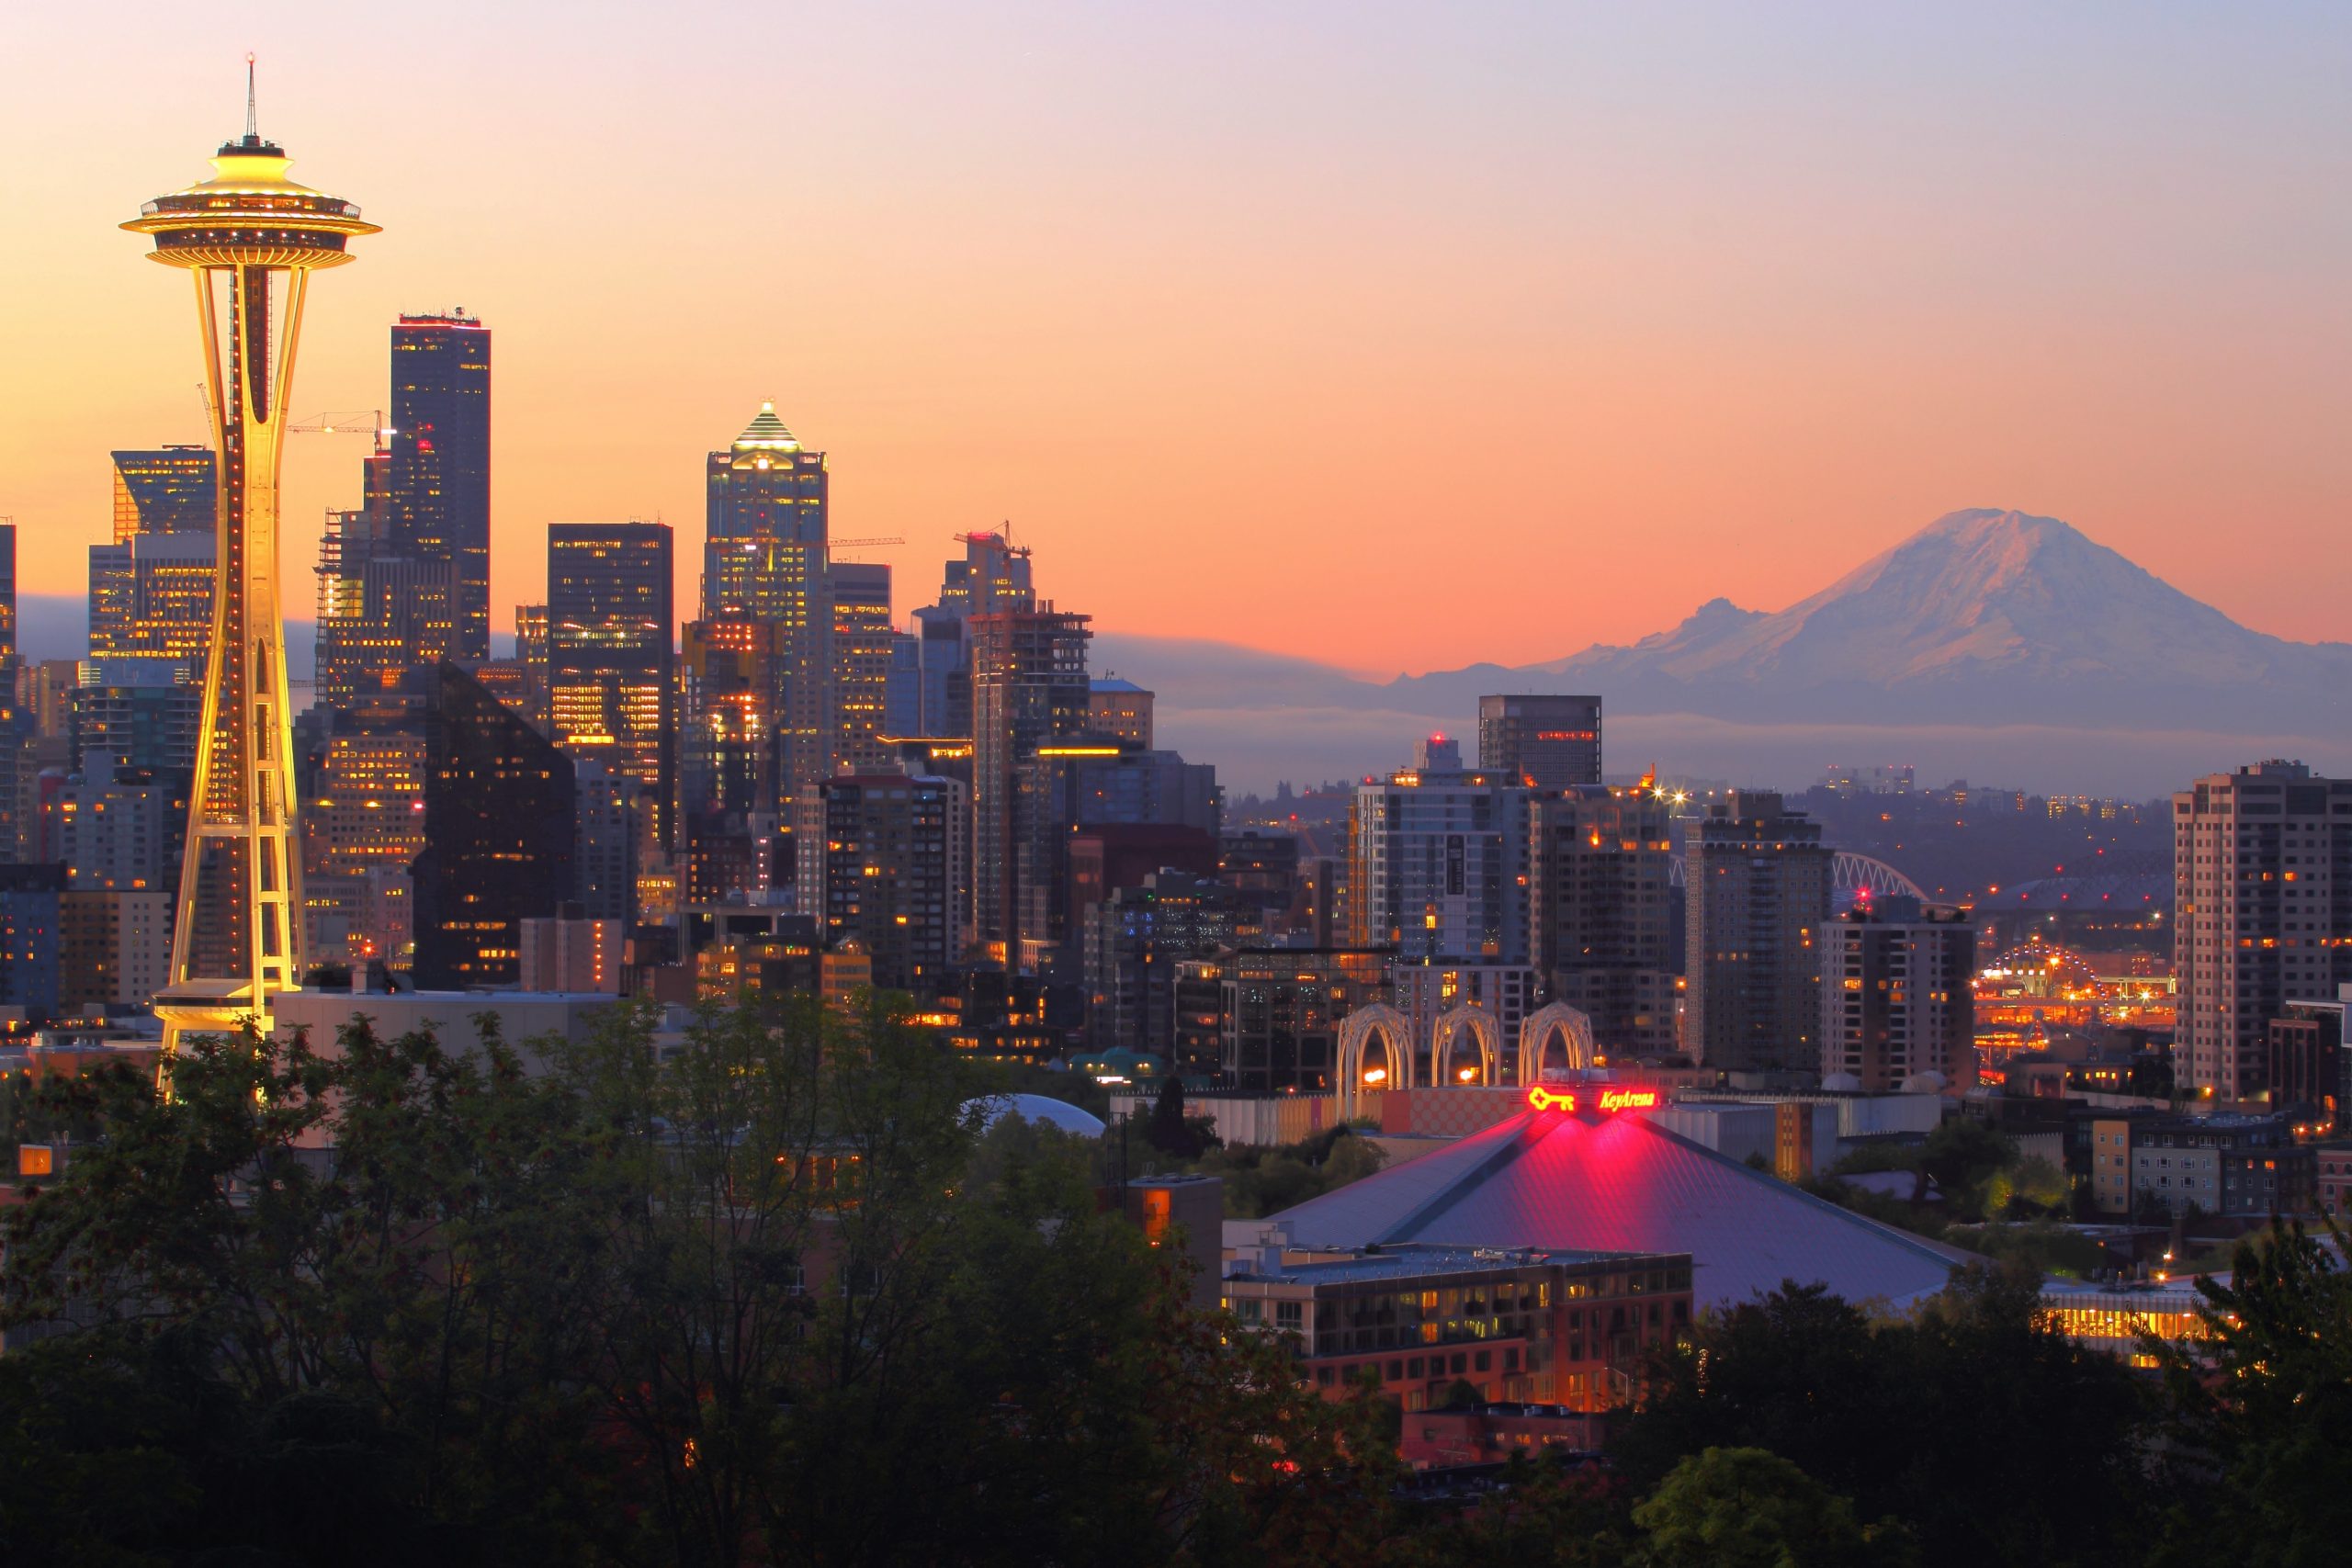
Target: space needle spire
(250,238)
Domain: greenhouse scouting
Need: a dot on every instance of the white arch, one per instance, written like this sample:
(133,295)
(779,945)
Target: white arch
(1356,1030)
(1853,874)
(1538,1026)
(1484,1033)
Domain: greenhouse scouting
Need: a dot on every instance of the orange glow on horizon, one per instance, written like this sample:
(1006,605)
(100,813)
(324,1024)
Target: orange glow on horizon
(1195,307)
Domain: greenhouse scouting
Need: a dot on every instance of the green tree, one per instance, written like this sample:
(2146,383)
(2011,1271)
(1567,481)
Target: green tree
(1975,1395)
(759,1293)
(1960,1157)
(2262,1405)
(1748,1509)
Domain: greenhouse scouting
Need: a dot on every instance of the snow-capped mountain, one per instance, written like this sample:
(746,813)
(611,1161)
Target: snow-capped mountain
(1981,617)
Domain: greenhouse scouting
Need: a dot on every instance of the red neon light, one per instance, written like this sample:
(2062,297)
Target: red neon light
(1611,1099)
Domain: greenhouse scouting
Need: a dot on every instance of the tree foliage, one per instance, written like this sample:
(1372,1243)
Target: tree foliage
(2261,1450)
(1921,1418)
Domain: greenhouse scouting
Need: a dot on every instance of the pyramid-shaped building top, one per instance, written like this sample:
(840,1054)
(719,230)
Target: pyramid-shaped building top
(766,432)
(1566,1182)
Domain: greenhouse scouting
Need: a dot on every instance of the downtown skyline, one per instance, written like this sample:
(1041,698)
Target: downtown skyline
(1753,309)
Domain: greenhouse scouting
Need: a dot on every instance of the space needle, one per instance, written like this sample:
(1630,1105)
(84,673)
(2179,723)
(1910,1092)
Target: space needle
(250,238)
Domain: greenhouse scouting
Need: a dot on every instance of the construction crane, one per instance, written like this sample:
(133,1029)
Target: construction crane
(357,421)
(832,544)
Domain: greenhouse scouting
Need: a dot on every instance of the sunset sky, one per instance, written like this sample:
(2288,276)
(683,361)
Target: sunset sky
(1393,336)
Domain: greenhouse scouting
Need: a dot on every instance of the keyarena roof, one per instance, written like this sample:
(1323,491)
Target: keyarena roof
(1580,1181)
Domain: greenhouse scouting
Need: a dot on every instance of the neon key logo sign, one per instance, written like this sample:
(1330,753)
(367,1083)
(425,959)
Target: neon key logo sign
(1609,1100)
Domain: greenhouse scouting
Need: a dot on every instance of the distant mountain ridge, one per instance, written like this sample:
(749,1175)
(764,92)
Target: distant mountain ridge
(1984,617)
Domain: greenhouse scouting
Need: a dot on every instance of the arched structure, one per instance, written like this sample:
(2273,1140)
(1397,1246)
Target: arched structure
(1853,877)
(1575,1030)
(1484,1032)
(1356,1030)
(2038,968)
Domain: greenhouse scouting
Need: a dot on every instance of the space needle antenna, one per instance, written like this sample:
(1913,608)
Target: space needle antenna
(252,125)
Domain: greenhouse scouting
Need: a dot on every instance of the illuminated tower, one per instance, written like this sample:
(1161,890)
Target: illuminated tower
(250,237)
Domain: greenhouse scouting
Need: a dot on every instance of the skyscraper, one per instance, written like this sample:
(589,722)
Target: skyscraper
(165,489)
(151,596)
(2262,896)
(1897,995)
(15,724)
(764,560)
(499,803)
(993,578)
(864,646)
(1758,876)
(364,814)
(1434,865)
(1601,912)
(380,615)
(135,713)
(437,476)
(1029,688)
(886,871)
(251,237)
(1544,742)
(612,665)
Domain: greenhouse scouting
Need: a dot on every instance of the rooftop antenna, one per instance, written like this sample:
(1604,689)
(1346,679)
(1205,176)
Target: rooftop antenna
(253,127)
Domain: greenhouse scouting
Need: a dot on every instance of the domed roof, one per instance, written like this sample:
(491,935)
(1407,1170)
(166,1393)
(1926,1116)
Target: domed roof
(1928,1082)
(1059,1113)
(1842,1083)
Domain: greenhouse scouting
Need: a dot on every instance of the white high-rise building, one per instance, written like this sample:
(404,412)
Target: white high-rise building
(2262,898)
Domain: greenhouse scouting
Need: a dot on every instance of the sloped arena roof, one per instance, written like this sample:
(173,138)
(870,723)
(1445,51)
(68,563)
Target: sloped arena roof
(1581,1182)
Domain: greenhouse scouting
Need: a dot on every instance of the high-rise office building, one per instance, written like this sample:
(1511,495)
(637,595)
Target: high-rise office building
(1601,912)
(165,490)
(1119,707)
(499,803)
(885,863)
(612,665)
(1542,742)
(8,608)
(993,578)
(1087,781)
(606,836)
(764,560)
(120,831)
(1435,862)
(135,713)
(438,471)
(1135,942)
(1758,878)
(2262,898)
(1029,689)
(252,238)
(380,615)
(16,739)
(865,643)
(364,813)
(728,673)
(1277,1014)
(1899,997)
(532,654)
(114,948)
(152,596)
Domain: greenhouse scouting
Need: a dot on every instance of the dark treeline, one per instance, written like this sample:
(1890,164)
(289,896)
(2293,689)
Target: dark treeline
(775,1297)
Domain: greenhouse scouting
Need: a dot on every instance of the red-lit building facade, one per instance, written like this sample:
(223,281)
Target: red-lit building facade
(1565,1328)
